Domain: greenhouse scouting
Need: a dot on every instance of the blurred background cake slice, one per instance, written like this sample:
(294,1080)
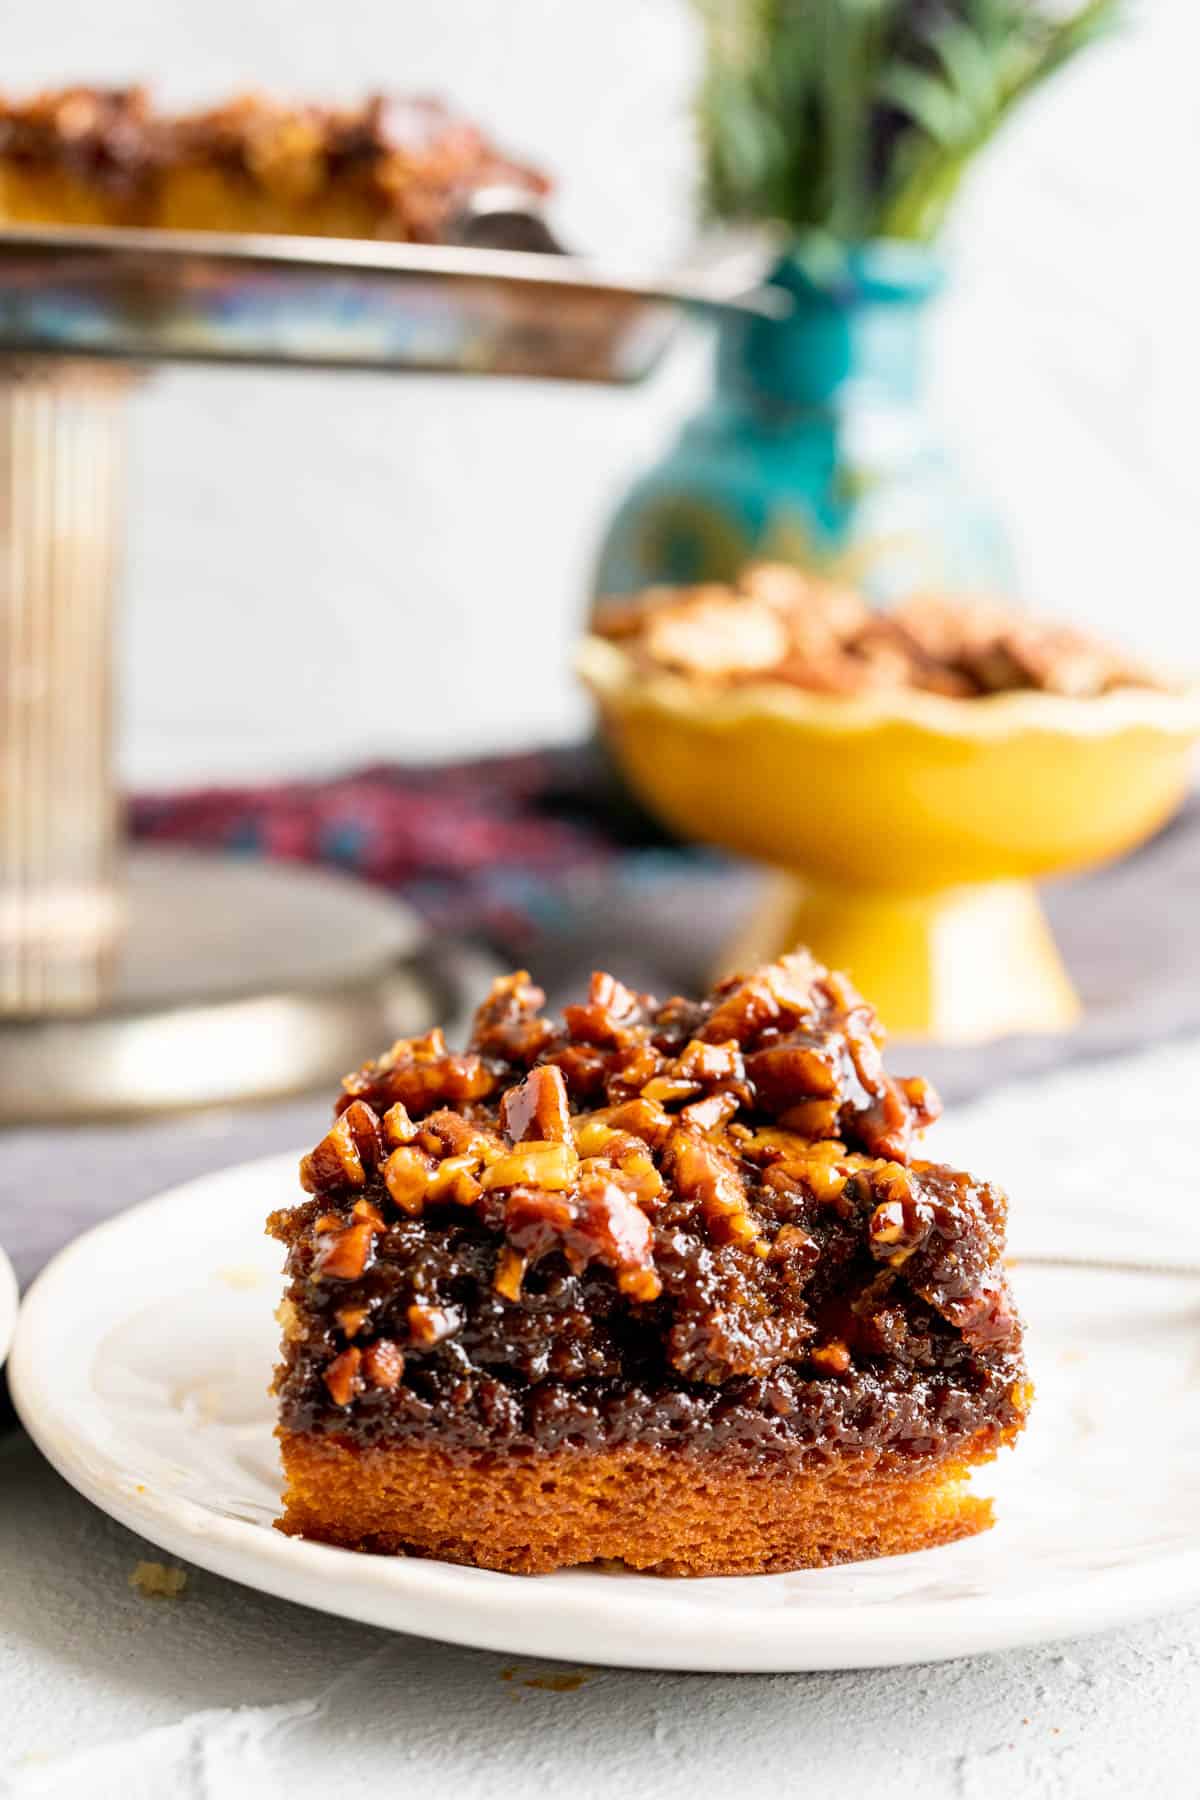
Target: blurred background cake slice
(389,167)
(79,156)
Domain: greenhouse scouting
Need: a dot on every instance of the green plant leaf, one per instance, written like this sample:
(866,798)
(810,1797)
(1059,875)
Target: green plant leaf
(928,102)
(854,118)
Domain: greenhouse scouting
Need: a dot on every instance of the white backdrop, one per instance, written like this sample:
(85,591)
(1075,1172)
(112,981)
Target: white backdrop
(324,568)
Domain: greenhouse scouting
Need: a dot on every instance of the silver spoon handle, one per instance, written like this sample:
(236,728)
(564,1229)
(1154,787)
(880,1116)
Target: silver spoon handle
(1119,1265)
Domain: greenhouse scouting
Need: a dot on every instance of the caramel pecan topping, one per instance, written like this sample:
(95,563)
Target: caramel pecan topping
(692,1090)
(698,1156)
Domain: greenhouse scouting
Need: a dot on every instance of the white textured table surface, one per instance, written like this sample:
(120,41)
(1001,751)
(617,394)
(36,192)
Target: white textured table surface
(222,1693)
(108,1695)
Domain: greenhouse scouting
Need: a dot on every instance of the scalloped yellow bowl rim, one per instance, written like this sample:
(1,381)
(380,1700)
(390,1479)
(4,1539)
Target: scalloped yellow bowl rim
(612,674)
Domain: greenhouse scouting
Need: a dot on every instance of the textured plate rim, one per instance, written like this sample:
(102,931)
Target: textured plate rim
(579,1616)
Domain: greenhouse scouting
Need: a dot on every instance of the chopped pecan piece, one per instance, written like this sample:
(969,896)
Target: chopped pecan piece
(343,1376)
(420,1074)
(510,1273)
(792,1242)
(744,1009)
(406,1175)
(346,1155)
(629,1071)
(508,1025)
(889,1124)
(616,1230)
(702,1171)
(447,1133)
(538,1165)
(638,1176)
(812,1118)
(709,1063)
(710,1113)
(600,1222)
(456,1180)
(832,1358)
(585,1069)
(368,1214)
(383,1364)
(668,1090)
(608,1019)
(398,1128)
(344,1254)
(430,1324)
(537,1108)
(642,1118)
(791,1073)
(537,1221)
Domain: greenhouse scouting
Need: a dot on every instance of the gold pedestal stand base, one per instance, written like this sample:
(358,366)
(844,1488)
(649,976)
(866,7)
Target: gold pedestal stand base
(961,965)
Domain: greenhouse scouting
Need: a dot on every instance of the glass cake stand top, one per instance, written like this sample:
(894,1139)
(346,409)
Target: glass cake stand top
(479,307)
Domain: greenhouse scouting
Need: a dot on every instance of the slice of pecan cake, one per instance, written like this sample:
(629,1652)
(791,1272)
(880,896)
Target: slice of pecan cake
(392,166)
(655,1283)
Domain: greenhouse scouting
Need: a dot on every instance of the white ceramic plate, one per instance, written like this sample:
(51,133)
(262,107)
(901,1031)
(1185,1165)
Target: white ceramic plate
(8,1305)
(141,1364)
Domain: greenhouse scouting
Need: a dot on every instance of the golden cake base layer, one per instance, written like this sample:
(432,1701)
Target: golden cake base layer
(188,200)
(640,1505)
(56,197)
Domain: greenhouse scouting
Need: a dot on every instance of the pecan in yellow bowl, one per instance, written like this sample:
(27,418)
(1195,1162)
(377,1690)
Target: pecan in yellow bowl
(908,774)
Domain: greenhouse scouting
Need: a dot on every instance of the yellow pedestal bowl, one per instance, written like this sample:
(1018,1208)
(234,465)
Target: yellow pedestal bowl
(906,830)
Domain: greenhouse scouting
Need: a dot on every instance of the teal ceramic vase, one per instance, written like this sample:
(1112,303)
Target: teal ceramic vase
(814,448)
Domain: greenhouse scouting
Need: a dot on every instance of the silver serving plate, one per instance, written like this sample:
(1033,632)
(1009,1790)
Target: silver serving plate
(504,300)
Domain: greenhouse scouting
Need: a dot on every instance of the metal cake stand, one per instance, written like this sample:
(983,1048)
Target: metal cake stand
(135,983)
